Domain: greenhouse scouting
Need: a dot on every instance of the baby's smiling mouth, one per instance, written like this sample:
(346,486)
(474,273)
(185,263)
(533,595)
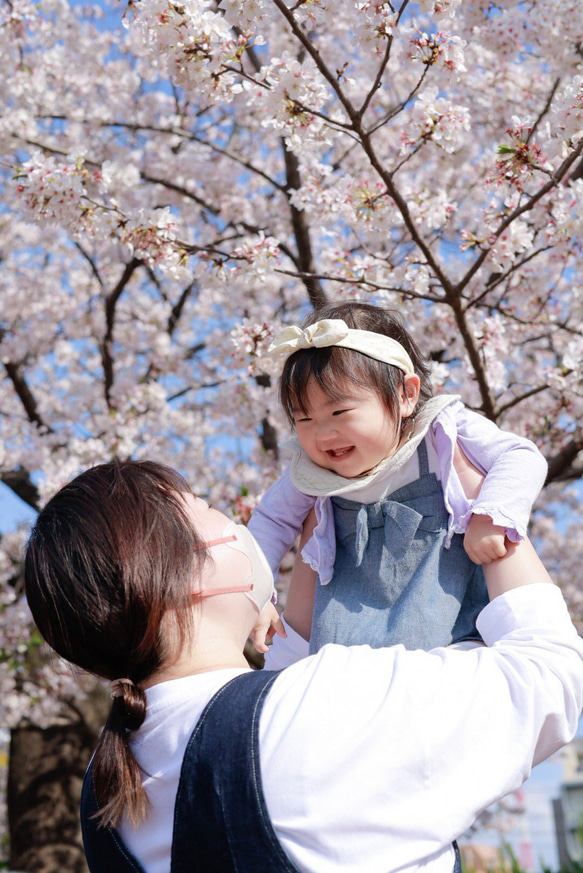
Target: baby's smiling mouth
(339,453)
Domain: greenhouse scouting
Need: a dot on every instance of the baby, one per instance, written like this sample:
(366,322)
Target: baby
(396,538)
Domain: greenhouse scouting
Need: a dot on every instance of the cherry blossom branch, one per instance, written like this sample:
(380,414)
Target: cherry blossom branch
(364,283)
(214,210)
(316,57)
(402,9)
(474,356)
(106,344)
(21,484)
(178,308)
(301,231)
(452,294)
(561,463)
(189,135)
(304,259)
(90,261)
(502,277)
(331,122)
(378,78)
(520,210)
(243,163)
(26,396)
(394,112)
(365,138)
(544,110)
(516,401)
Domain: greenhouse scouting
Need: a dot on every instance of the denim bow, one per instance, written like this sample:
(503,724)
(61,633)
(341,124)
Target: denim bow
(400,523)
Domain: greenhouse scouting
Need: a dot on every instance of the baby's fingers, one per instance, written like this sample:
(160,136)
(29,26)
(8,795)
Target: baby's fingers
(495,550)
(277,628)
(491,551)
(259,636)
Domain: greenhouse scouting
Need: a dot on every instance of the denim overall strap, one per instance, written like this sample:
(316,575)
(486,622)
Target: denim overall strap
(457,867)
(104,849)
(221,823)
(423,459)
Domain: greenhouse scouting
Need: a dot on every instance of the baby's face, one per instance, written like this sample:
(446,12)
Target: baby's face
(349,436)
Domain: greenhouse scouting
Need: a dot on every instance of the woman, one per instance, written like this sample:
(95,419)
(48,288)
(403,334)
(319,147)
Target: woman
(349,760)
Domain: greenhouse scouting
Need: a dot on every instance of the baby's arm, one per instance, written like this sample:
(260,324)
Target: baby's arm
(484,541)
(302,586)
(514,473)
(277,520)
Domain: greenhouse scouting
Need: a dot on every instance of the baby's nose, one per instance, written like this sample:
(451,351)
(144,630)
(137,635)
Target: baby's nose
(327,431)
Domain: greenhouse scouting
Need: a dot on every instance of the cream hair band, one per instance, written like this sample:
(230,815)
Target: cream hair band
(334,332)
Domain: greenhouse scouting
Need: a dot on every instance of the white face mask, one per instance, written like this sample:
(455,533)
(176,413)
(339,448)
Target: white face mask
(258,585)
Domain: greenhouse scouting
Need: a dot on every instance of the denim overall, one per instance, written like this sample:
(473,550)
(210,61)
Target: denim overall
(394,581)
(221,823)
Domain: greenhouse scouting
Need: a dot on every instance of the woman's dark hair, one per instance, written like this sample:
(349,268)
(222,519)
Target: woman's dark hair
(333,367)
(109,555)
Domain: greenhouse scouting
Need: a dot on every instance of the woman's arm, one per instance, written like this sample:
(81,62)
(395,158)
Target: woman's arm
(520,566)
(421,742)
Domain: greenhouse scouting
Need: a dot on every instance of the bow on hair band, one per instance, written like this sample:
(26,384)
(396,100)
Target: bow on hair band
(334,332)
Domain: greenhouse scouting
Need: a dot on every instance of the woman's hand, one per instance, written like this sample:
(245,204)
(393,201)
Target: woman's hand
(268,624)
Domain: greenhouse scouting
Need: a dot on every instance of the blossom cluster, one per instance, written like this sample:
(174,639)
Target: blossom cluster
(437,119)
(192,43)
(251,341)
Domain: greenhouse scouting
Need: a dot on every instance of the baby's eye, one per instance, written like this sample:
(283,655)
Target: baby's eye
(300,420)
(339,411)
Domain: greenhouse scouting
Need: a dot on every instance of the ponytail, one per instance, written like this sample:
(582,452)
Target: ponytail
(117,778)
(109,556)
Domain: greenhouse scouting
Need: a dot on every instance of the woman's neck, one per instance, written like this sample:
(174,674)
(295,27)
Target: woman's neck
(214,655)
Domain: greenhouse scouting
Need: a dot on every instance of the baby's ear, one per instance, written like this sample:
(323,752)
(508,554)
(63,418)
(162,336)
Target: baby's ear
(409,394)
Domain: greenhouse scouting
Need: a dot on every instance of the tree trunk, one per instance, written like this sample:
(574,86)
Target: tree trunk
(44,791)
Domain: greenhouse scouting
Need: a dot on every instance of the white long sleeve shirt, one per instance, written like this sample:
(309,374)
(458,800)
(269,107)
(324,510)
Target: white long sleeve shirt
(376,759)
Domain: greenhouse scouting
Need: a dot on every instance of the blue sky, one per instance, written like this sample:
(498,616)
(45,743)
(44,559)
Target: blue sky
(12,510)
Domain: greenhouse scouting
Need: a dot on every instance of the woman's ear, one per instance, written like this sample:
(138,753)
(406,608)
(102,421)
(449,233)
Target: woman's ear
(409,394)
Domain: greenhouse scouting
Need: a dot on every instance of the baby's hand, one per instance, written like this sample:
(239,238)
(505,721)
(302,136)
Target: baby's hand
(268,624)
(484,540)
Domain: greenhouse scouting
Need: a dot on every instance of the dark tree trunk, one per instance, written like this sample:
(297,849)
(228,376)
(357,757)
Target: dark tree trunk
(44,790)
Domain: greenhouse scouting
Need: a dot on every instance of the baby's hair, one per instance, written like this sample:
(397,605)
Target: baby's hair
(109,555)
(333,367)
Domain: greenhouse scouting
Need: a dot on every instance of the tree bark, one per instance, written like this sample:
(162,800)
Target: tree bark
(44,791)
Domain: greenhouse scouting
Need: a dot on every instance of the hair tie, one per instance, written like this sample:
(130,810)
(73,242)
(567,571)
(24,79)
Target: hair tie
(120,686)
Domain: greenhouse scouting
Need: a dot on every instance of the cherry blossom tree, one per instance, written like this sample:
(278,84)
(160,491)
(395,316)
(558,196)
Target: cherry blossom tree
(181,179)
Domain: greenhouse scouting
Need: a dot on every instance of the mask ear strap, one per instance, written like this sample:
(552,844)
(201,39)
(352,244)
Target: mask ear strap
(227,589)
(216,542)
